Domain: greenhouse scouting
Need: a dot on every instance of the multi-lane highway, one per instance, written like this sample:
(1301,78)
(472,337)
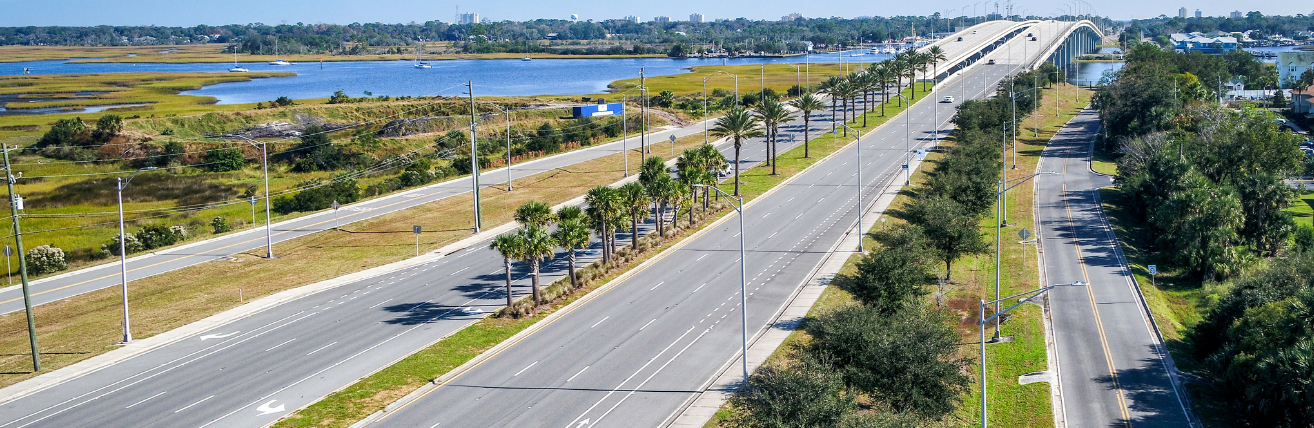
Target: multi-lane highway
(636,354)
(1113,369)
(639,349)
(251,371)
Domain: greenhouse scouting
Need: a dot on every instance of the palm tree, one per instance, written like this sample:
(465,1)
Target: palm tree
(570,212)
(571,233)
(772,113)
(739,125)
(828,87)
(534,213)
(668,192)
(510,246)
(883,75)
(604,204)
(633,197)
(693,173)
(844,91)
(924,61)
(937,55)
(910,71)
(713,161)
(537,246)
(807,104)
(652,169)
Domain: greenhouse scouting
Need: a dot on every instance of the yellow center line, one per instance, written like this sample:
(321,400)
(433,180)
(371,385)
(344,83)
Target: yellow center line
(299,229)
(1099,324)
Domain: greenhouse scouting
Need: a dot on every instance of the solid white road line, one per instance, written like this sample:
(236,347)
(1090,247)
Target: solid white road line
(147,399)
(281,344)
(322,348)
(526,368)
(193,404)
(581,371)
(601,320)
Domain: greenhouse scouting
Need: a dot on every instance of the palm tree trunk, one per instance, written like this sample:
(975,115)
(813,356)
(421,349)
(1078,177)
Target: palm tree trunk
(661,222)
(736,166)
(775,153)
(885,93)
(606,248)
(806,120)
(865,105)
(832,115)
(506,261)
(634,228)
(534,264)
(570,258)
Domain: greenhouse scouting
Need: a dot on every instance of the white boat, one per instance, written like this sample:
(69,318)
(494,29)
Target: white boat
(277,61)
(418,52)
(236,69)
(525,59)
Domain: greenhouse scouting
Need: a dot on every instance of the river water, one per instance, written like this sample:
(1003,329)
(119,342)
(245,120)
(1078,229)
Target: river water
(447,77)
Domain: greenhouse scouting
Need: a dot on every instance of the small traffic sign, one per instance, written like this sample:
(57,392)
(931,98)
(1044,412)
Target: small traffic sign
(8,251)
(416,229)
(1024,234)
(336,205)
(672,139)
(1154,269)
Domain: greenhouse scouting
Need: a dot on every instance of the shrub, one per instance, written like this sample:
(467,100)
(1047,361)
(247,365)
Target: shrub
(283,101)
(223,160)
(318,196)
(220,225)
(156,236)
(63,132)
(46,259)
(130,243)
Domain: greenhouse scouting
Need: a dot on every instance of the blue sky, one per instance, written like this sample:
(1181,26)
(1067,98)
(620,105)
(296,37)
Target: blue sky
(188,13)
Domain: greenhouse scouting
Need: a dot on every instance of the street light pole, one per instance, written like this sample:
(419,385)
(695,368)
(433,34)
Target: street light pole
(907,139)
(123,253)
(999,207)
(22,259)
(264,165)
(1032,294)
(743,276)
(857,139)
(474,160)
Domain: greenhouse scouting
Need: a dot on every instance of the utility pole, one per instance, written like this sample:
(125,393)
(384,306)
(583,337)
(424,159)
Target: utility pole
(22,260)
(643,119)
(474,159)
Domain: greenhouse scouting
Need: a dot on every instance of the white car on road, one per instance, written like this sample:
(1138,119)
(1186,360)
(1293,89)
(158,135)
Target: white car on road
(947,100)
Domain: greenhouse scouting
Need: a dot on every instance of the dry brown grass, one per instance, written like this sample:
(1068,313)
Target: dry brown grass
(80,327)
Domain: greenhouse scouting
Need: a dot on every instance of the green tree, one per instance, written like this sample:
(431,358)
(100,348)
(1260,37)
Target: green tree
(738,125)
(894,275)
(1201,224)
(571,234)
(604,207)
(108,126)
(951,231)
(510,246)
(808,103)
(537,246)
(223,160)
(905,361)
(804,394)
(534,213)
(1264,199)
(62,132)
(633,197)
(772,113)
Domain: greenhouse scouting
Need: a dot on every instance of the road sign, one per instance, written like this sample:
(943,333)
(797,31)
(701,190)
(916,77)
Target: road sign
(8,251)
(336,205)
(672,139)
(1154,269)
(416,228)
(253,201)
(1024,234)
(905,167)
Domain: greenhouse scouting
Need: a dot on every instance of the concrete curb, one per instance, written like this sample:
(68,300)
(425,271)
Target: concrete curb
(141,346)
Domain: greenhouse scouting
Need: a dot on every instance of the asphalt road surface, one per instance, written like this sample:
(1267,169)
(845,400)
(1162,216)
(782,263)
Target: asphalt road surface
(641,350)
(636,354)
(1113,370)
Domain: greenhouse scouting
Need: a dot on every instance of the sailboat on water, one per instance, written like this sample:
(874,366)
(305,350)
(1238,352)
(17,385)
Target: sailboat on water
(419,59)
(236,68)
(277,61)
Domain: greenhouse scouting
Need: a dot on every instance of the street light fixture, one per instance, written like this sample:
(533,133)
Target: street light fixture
(123,253)
(999,228)
(1030,295)
(743,274)
(857,140)
(264,165)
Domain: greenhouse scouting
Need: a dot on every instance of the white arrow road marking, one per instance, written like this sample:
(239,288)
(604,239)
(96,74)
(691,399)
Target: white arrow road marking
(218,336)
(582,423)
(265,409)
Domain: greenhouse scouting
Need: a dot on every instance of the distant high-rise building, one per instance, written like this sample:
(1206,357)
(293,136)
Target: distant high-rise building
(696,17)
(661,19)
(633,18)
(1181,13)
(469,18)
(1197,14)
(1236,14)
(791,17)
